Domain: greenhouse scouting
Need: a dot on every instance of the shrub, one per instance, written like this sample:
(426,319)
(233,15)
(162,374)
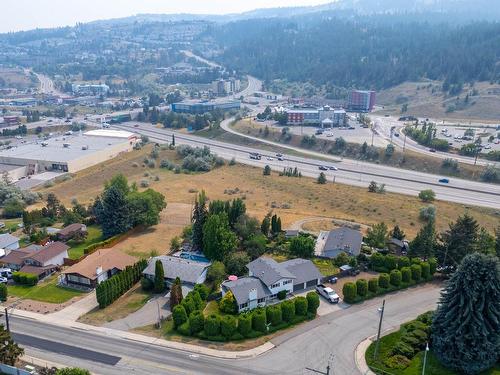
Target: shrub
(301,306)
(406,274)
(312,302)
(212,325)
(244,324)
(184,329)
(396,277)
(195,296)
(373,285)
(383,280)
(427,213)
(288,311)
(350,292)
(402,349)
(361,287)
(416,272)
(196,321)
(259,320)
(228,326)
(391,262)
(403,262)
(189,305)
(202,290)
(3,292)
(274,315)
(282,295)
(377,262)
(179,315)
(25,278)
(427,195)
(228,304)
(146,284)
(432,265)
(426,270)
(397,361)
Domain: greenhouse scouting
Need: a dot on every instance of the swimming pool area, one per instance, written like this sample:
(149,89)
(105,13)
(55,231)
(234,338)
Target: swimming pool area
(194,256)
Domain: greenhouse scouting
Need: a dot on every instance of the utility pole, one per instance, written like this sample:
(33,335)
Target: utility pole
(328,367)
(159,314)
(375,353)
(7,325)
(425,357)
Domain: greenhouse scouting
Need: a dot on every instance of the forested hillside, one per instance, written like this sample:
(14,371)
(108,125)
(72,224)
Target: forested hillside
(370,52)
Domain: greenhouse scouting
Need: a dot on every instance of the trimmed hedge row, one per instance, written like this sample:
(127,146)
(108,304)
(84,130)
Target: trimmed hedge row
(397,279)
(251,324)
(25,278)
(102,244)
(111,289)
(387,263)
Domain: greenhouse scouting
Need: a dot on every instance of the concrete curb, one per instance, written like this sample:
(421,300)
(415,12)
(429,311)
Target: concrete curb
(359,356)
(194,349)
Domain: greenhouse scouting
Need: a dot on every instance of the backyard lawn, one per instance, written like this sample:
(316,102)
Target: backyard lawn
(76,249)
(325,266)
(46,291)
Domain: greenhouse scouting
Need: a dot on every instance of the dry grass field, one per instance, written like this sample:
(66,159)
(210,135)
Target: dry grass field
(304,197)
(15,78)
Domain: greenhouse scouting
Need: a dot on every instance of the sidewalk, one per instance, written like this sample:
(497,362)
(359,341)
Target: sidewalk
(195,349)
(359,356)
(75,310)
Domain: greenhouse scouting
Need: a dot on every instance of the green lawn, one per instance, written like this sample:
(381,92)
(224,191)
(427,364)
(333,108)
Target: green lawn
(46,291)
(325,266)
(76,249)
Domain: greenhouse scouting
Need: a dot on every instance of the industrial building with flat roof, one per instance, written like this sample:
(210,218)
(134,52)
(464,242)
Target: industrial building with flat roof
(199,108)
(69,153)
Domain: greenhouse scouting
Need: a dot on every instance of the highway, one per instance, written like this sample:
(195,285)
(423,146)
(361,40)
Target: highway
(350,172)
(303,350)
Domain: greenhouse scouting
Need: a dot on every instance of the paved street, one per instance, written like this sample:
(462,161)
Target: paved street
(308,346)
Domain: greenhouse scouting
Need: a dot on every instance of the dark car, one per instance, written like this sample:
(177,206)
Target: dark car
(444,180)
(432,150)
(323,168)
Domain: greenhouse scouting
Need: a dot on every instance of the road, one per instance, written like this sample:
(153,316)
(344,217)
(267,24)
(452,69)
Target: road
(297,351)
(350,172)
(46,85)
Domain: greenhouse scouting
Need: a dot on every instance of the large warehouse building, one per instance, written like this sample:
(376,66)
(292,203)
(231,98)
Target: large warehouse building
(70,153)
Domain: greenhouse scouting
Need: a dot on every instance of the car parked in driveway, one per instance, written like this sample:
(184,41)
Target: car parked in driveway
(328,293)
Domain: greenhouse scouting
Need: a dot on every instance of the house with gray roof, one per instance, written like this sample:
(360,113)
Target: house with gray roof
(330,244)
(9,242)
(266,278)
(190,271)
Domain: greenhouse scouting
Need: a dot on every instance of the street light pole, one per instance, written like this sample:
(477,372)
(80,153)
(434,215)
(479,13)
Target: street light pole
(425,358)
(375,353)
(7,325)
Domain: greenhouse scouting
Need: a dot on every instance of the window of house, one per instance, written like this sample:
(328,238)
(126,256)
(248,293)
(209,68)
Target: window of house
(287,282)
(261,300)
(275,285)
(244,305)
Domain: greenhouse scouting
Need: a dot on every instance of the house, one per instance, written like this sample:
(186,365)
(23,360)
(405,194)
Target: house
(190,271)
(72,230)
(15,259)
(290,233)
(96,268)
(52,254)
(399,247)
(9,242)
(266,278)
(342,240)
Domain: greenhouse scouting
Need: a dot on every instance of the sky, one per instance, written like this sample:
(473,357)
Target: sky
(18,15)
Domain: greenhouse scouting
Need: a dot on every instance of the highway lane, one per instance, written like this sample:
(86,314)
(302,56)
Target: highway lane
(308,346)
(349,172)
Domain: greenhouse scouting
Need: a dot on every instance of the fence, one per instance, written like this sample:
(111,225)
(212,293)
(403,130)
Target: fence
(10,370)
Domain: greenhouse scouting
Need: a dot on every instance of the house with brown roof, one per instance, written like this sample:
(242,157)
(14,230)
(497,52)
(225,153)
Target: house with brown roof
(96,268)
(72,230)
(15,259)
(52,254)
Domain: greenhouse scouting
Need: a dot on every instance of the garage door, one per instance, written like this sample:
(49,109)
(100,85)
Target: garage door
(311,283)
(298,287)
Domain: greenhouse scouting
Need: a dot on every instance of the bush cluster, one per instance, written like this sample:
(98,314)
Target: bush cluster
(25,278)
(101,245)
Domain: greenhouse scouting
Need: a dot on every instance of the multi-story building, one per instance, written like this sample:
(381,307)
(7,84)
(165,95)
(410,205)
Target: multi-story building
(198,108)
(222,87)
(361,101)
(307,116)
(95,90)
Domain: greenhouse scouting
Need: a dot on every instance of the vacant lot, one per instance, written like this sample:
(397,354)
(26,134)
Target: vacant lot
(304,197)
(16,78)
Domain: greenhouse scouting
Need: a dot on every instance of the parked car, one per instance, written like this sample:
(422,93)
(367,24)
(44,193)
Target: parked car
(333,168)
(328,293)
(396,134)
(444,180)
(6,272)
(3,280)
(270,158)
(323,168)
(432,150)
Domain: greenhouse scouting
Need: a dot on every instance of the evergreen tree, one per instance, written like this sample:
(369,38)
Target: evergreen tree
(274,220)
(466,325)
(236,209)
(424,243)
(398,233)
(321,179)
(9,350)
(218,239)
(265,226)
(112,212)
(267,170)
(278,225)
(159,284)
(198,220)
(497,242)
(176,293)
(459,240)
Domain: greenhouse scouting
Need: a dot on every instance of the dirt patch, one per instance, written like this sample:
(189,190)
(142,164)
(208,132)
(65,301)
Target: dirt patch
(37,306)
(343,280)
(315,226)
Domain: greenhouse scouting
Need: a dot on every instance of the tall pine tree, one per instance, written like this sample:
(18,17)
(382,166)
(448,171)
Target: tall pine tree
(198,219)
(459,240)
(159,284)
(466,325)
(424,244)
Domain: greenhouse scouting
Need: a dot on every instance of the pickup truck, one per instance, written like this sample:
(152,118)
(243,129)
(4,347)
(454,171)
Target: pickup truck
(327,293)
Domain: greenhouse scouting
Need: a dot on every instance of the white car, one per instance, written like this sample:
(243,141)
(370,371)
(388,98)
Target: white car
(327,293)
(333,168)
(3,280)
(270,158)
(487,147)
(329,134)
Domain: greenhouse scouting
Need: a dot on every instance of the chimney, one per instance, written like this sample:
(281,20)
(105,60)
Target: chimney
(252,294)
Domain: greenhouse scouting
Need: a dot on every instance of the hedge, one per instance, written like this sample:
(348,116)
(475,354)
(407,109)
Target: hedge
(395,277)
(383,280)
(426,270)
(259,320)
(406,274)
(3,292)
(244,323)
(312,302)
(282,295)
(228,325)
(25,278)
(416,272)
(361,287)
(301,306)
(179,316)
(212,325)
(202,290)
(432,265)
(196,321)
(189,304)
(288,310)
(403,262)
(350,292)
(102,244)
(373,285)
(111,289)
(274,314)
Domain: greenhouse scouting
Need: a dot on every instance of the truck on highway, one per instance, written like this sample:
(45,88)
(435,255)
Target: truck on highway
(255,156)
(327,293)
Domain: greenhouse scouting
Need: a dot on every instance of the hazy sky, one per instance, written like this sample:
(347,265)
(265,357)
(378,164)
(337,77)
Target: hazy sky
(29,14)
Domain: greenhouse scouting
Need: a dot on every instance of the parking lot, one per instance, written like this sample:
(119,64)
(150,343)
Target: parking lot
(457,137)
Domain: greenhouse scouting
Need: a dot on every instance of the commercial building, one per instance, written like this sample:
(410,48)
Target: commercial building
(307,116)
(199,108)
(361,101)
(66,153)
(266,278)
(95,90)
(222,87)
(9,120)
